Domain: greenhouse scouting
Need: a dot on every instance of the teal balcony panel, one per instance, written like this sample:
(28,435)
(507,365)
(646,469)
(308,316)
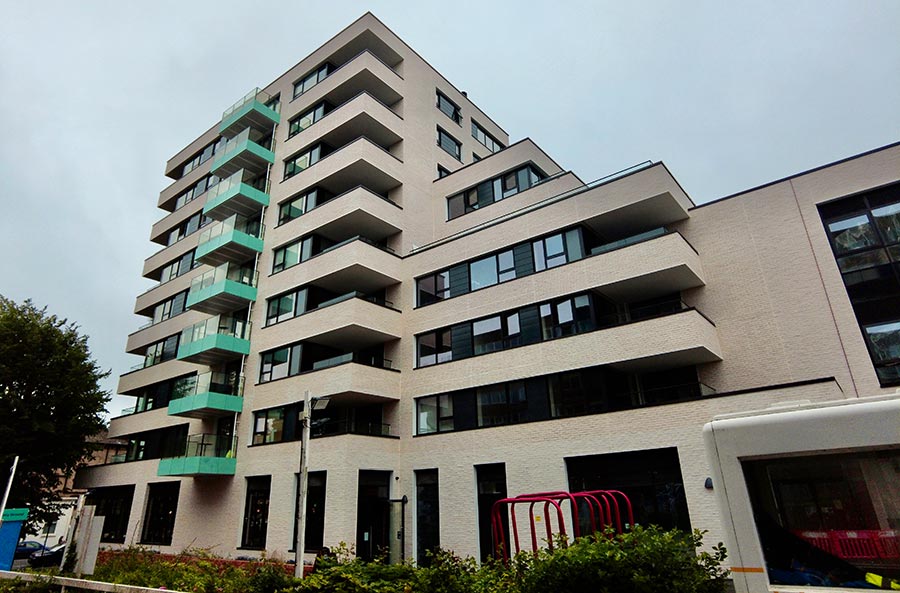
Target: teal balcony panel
(235,198)
(242,154)
(230,246)
(214,348)
(252,114)
(221,297)
(206,405)
(197,466)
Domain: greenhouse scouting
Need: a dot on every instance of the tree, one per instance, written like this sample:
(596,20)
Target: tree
(50,403)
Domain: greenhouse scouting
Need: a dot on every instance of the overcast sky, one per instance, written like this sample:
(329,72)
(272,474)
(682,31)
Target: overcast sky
(96,96)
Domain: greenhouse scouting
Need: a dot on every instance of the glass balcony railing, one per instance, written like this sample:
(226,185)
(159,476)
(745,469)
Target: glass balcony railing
(217,325)
(211,382)
(335,428)
(235,195)
(210,445)
(228,271)
(377,362)
(658,232)
(249,98)
(233,223)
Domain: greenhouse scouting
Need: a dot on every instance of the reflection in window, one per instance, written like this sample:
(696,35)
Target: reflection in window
(852,234)
(434,414)
(483,272)
(884,340)
(827,520)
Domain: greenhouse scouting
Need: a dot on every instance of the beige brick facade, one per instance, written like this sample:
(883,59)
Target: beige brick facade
(768,314)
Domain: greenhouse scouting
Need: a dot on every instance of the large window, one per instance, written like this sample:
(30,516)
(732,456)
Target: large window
(482,136)
(159,516)
(161,351)
(450,144)
(204,155)
(187,227)
(286,306)
(268,426)
(828,520)
(864,231)
(113,503)
(312,79)
(448,107)
(593,390)
(304,160)
(301,204)
(280,363)
(308,118)
(256,513)
(196,190)
(493,190)
(544,321)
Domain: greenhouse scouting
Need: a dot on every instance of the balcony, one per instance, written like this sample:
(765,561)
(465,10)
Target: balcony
(249,112)
(241,152)
(218,339)
(357,211)
(347,322)
(235,239)
(204,455)
(225,288)
(211,395)
(352,265)
(341,427)
(233,196)
(362,115)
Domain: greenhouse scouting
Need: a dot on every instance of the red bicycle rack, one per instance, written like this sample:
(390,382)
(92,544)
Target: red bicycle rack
(603,508)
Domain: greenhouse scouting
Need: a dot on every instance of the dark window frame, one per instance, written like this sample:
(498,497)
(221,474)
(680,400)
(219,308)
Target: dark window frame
(442,132)
(476,128)
(320,73)
(452,110)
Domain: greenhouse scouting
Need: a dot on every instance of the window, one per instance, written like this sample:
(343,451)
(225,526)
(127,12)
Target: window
(483,273)
(448,107)
(204,155)
(433,288)
(280,363)
(170,307)
(159,518)
(292,254)
(302,161)
(304,120)
(428,530)
(114,504)
(196,190)
(268,426)
(274,103)
(434,414)
(450,144)
(442,172)
(566,317)
(549,252)
(482,136)
(256,513)
(161,351)
(187,227)
(286,306)
(434,347)
(492,190)
(301,204)
(312,79)
(828,518)
(180,266)
(501,404)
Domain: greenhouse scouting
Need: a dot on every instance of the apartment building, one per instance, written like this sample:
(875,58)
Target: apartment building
(481,321)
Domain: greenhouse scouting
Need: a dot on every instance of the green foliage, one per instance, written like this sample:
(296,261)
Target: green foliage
(50,403)
(645,560)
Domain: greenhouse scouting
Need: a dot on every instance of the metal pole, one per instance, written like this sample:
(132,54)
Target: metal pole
(301,499)
(12,474)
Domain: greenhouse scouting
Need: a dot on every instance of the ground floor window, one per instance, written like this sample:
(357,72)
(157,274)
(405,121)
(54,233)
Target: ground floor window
(428,524)
(651,479)
(256,512)
(831,520)
(159,516)
(114,505)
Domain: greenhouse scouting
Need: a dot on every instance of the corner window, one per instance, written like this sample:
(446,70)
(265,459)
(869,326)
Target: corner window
(449,144)
(448,107)
(304,120)
(434,347)
(433,288)
(301,204)
(303,161)
(286,306)
(492,190)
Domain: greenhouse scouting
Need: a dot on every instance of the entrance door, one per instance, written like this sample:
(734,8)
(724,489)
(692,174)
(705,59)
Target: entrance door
(491,483)
(373,514)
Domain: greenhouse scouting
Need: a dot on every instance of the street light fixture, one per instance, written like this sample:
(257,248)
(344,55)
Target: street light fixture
(309,404)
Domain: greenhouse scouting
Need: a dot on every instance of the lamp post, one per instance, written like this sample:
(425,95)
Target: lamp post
(309,403)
